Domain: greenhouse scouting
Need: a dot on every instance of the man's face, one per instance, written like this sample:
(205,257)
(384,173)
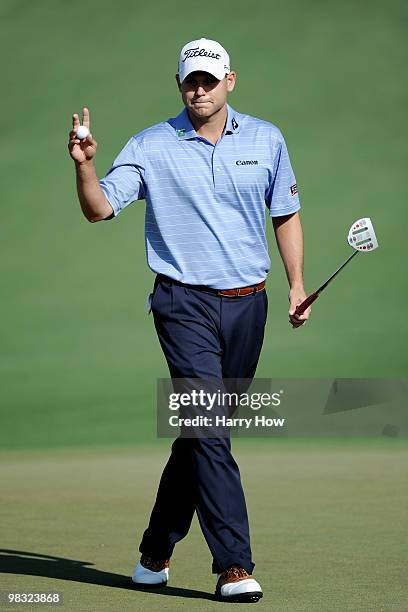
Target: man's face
(203,94)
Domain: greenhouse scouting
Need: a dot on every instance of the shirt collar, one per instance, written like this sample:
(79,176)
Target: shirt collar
(185,130)
(183,126)
(233,122)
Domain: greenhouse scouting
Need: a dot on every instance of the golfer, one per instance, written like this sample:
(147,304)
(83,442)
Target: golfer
(208,176)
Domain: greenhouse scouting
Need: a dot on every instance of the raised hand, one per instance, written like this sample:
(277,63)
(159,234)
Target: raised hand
(81,150)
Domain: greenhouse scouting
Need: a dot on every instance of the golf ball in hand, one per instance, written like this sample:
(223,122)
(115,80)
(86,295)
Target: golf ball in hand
(82,132)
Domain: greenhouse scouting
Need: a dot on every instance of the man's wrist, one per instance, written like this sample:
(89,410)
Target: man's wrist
(298,284)
(84,164)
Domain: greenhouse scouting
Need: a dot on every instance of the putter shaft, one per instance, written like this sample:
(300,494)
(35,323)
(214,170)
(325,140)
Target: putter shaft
(313,296)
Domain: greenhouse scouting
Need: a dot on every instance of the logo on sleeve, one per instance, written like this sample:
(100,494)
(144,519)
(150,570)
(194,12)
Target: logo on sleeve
(294,189)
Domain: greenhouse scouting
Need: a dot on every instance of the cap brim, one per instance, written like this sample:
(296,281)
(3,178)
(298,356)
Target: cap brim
(208,72)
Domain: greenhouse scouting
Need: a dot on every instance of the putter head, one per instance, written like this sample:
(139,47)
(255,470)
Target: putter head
(362,235)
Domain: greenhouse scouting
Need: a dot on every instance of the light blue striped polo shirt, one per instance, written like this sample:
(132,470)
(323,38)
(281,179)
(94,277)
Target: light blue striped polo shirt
(205,203)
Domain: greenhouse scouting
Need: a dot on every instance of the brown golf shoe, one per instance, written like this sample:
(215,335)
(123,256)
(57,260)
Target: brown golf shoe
(151,572)
(153,565)
(236,585)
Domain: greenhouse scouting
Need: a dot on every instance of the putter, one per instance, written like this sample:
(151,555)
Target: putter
(363,240)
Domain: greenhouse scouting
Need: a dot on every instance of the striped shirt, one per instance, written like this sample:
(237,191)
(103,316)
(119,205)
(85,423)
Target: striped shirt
(206,203)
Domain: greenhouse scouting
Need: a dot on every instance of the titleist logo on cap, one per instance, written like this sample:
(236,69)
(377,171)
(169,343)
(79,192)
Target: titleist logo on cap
(197,52)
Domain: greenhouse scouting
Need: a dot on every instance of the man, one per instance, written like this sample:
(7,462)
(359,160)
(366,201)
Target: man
(206,176)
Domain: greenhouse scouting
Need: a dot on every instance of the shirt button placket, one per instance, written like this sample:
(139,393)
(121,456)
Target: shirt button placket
(217,170)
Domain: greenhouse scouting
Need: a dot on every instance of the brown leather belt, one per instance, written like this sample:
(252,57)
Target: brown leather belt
(238,292)
(241,290)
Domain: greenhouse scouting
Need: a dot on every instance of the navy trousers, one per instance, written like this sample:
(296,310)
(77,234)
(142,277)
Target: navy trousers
(204,336)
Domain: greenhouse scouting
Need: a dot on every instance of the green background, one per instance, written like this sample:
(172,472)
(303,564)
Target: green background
(80,357)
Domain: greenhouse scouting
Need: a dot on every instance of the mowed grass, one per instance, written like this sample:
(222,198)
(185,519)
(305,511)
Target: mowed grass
(327,526)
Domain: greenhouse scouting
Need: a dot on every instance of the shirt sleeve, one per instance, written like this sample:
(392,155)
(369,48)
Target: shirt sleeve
(125,181)
(282,196)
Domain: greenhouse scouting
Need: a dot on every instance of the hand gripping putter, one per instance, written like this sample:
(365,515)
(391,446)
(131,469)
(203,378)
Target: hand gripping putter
(363,240)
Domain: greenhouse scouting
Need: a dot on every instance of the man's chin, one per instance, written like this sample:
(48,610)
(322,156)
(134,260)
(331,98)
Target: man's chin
(201,111)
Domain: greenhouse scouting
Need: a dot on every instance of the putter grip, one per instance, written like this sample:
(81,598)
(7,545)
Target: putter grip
(306,303)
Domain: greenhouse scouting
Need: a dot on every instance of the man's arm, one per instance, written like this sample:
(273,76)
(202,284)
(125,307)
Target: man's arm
(93,202)
(289,238)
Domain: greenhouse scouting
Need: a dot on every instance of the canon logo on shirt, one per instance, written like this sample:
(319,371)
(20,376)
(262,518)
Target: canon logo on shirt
(247,162)
(196,52)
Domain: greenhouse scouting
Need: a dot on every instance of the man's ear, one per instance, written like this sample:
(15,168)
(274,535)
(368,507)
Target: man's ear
(178,82)
(231,78)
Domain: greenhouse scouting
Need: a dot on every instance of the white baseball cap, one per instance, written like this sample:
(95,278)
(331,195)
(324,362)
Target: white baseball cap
(205,56)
